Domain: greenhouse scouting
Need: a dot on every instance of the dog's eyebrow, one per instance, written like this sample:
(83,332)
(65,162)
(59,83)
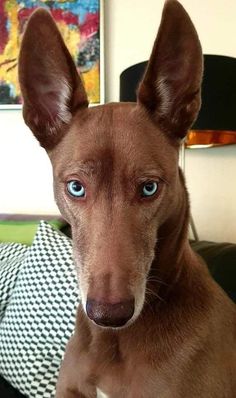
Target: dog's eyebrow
(151,172)
(86,167)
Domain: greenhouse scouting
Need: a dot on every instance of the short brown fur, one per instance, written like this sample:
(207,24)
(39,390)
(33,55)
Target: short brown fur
(180,341)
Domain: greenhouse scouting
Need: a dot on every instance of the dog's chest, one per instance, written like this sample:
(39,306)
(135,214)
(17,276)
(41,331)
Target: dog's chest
(121,382)
(112,384)
(101,394)
(119,373)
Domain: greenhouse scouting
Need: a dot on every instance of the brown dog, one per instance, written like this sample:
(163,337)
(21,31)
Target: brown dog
(152,322)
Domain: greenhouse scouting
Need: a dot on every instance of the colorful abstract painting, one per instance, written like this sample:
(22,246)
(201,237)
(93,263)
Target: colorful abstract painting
(79,23)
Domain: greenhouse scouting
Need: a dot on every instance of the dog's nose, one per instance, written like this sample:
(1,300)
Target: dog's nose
(110,315)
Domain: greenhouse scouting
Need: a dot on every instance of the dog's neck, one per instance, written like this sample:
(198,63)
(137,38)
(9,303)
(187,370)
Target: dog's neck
(172,249)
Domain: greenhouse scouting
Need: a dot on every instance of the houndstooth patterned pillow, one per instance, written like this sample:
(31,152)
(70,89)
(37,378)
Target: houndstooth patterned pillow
(11,257)
(40,316)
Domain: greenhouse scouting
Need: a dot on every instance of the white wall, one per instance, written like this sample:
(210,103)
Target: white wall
(211,178)
(130,29)
(25,171)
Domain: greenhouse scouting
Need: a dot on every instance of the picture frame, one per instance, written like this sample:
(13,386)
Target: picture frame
(81,23)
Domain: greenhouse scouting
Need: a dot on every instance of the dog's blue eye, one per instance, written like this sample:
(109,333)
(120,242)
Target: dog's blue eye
(149,188)
(76,189)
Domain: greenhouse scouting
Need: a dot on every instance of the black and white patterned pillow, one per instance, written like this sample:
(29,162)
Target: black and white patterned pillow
(12,256)
(40,316)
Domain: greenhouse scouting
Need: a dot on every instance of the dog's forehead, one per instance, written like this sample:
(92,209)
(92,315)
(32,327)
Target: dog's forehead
(120,125)
(117,133)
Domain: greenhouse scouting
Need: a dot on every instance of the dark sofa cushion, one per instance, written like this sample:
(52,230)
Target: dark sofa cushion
(221,261)
(7,391)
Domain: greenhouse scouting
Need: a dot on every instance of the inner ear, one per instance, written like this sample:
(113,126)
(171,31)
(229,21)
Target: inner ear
(171,87)
(51,87)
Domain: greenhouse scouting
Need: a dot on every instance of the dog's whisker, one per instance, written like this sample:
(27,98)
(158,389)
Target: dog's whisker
(159,281)
(150,292)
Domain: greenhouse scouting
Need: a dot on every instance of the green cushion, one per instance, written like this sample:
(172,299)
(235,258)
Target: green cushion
(23,231)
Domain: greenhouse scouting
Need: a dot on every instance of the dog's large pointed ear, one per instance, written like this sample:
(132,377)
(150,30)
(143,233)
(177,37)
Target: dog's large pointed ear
(51,87)
(171,87)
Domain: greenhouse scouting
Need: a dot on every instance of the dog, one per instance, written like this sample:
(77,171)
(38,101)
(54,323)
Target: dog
(152,322)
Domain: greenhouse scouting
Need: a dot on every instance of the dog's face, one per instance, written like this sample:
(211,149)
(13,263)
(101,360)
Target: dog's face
(115,166)
(115,183)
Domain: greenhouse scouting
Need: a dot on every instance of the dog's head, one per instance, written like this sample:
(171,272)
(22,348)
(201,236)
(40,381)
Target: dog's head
(116,176)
